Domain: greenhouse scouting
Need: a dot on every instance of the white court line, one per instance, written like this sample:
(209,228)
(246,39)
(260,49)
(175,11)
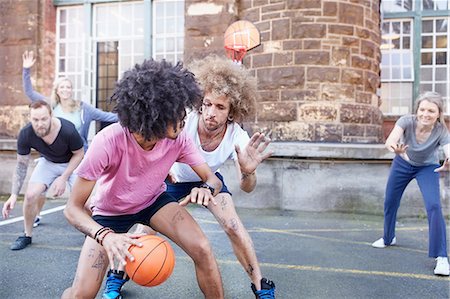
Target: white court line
(45,212)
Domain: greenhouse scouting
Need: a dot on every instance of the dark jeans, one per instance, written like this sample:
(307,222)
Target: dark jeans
(400,175)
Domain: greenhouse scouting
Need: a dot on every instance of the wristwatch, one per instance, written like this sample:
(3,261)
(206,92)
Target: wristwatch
(207,186)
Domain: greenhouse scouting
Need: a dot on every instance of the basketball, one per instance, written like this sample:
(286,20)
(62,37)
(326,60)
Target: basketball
(153,262)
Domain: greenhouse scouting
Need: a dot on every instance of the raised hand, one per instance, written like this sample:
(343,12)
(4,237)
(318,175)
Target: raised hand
(399,148)
(253,154)
(28,59)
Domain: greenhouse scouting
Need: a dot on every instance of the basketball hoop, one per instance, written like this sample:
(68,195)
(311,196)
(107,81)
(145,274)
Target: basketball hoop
(236,52)
(240,37)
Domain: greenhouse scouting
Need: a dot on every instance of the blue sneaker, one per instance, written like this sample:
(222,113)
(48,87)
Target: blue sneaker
(114,283)
(267,289)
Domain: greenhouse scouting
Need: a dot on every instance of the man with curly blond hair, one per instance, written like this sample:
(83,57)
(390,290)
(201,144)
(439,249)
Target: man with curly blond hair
(229,97)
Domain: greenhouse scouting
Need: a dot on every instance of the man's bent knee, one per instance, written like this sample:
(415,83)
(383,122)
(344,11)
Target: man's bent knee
(200,250)
(32,198)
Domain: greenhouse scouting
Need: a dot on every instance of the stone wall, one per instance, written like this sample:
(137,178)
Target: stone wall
(25,25)
(317,65)
(205,24)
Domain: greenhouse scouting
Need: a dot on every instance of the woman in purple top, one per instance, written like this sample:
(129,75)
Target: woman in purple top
(80,113)
(416,140)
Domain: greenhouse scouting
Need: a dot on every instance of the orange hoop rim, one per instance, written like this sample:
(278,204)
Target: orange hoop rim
(236,52)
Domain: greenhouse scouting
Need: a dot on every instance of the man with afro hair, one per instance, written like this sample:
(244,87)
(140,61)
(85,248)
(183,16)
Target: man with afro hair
(130,161)
(230,94)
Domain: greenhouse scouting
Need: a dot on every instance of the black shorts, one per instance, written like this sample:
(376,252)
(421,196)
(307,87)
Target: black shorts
(180,190)
(123,223)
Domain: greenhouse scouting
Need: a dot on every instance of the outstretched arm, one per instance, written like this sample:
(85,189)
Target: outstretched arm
(17,183)
(100,115)
(249,159)
(393,143)
(28,61)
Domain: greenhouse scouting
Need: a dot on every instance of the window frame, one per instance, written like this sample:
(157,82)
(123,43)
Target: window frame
(417,14)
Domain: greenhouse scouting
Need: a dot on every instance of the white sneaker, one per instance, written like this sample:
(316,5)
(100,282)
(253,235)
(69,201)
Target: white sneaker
(442,267)
(380,243)
(37,221)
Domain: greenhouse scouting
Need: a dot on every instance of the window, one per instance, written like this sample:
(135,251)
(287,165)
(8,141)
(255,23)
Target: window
(122,23)
(435,4)
(435,63)
(89,30)
(107,75)
(69,46)
(414,61)
(168,30)
(396,5)
(396,66)
(396,47)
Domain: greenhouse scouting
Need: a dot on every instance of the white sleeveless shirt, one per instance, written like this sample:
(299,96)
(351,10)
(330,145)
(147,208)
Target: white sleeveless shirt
(215,159)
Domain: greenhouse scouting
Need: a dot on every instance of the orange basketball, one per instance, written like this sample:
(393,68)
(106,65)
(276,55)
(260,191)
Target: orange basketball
(153,262)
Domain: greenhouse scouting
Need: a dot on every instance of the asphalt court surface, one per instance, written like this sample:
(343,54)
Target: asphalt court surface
(308,255)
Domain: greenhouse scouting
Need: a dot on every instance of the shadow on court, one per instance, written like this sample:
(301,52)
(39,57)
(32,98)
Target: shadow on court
(307,255)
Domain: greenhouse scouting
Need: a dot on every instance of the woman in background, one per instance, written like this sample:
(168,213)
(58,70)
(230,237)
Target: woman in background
(415,140)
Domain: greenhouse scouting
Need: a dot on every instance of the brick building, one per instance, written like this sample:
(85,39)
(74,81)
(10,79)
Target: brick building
(319,70)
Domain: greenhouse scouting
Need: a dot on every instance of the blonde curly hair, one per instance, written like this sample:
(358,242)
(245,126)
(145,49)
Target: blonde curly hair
(222,76)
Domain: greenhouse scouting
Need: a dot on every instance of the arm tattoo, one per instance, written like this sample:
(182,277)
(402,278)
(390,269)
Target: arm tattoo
(245,176)
(234,224)
(19,175)
(223,203)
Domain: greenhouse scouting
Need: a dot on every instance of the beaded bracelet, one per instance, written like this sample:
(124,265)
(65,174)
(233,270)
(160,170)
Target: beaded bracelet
(104,235)
(99,232)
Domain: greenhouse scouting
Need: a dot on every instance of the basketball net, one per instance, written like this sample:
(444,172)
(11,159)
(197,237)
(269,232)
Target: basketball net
(236,52)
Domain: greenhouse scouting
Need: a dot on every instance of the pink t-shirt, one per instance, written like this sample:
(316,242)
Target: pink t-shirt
(129,179)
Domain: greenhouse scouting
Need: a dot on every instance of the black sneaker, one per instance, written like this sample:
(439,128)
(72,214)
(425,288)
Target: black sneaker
(114,283)
(267,289)
(21,243)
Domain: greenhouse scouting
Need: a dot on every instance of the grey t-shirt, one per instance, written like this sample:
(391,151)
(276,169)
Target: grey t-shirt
(426,153)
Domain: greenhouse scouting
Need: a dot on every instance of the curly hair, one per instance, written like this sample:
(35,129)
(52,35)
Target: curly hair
(222,76)
(154,95)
